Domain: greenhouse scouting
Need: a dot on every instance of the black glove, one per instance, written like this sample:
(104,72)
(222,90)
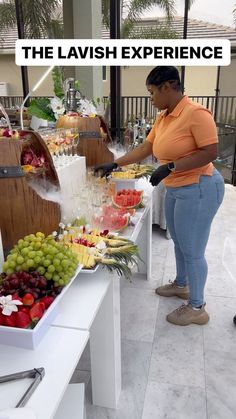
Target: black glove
(104,169)
(160,173)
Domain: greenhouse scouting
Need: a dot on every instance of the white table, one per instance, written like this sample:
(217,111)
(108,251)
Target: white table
(141,234)
(58,352)
(93,304)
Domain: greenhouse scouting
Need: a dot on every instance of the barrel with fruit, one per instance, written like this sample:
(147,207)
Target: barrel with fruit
(22,210)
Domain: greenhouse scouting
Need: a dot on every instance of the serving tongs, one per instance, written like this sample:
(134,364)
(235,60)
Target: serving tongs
(37,374)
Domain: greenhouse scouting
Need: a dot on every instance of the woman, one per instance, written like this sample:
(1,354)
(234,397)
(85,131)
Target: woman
(184,140)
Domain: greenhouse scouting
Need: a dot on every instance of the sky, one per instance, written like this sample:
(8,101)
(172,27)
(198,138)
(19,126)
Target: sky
(213,11)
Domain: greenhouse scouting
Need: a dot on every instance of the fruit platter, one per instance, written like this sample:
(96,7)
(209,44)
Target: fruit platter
(119,214)
(94,247)
(132,171)
(36,274)
(128,199)
(113,219)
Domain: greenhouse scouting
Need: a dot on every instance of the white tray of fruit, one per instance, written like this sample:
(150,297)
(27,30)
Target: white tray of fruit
(37,273)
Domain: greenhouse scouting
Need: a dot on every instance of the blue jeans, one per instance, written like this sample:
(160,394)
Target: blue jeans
(189,213)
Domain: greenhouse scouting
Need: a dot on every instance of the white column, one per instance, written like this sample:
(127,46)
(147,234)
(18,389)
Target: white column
(87,22)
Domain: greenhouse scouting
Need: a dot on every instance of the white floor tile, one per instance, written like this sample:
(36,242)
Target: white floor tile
(221,384)
(140,281)
(177,355)
(135,366)
(165,401)
(220,332)
(138,314)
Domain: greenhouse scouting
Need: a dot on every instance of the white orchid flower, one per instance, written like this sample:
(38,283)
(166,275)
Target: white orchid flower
(57,105)
(86,107)
(9,305)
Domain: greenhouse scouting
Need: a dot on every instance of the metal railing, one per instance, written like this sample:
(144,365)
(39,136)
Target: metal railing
(223,108)
(226,159)
(12,102)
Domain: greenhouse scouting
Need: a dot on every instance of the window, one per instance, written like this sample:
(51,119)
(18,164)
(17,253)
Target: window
(104,73)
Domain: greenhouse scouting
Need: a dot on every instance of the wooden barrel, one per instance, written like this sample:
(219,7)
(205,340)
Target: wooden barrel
(93,138)
(22,210)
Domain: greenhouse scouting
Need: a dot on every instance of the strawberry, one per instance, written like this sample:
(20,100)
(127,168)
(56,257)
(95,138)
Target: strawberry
(47,301)
(2,319)
(28,299)
(10,321)
(36,312)
(22,319)
(24,309)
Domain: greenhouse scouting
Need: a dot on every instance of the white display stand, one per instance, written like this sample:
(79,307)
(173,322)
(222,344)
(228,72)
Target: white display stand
(93,304)
(71,178)
(72,405)
(90,309)
(58,353)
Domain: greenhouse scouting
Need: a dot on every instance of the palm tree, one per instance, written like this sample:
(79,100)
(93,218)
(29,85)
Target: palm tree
(131,13)
(41,17)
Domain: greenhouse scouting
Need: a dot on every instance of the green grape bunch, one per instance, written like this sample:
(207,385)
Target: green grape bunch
(49,258)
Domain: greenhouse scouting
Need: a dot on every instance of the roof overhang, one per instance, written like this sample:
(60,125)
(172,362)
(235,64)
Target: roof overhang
(7,51)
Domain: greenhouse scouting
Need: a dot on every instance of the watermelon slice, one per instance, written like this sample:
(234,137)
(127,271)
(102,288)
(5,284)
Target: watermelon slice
(109,209)
(128,199)
(112,222)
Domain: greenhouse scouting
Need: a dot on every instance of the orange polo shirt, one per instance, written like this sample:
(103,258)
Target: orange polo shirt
(181,133)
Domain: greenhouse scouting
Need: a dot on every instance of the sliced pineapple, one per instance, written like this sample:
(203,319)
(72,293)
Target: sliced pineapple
(124,175)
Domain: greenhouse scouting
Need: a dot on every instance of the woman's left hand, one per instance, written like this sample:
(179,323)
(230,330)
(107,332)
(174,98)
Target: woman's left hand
(160,173)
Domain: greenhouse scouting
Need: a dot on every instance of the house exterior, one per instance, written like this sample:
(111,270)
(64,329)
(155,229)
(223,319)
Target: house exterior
(199,81)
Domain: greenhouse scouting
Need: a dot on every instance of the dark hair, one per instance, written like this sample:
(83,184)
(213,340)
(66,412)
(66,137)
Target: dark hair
(161,74)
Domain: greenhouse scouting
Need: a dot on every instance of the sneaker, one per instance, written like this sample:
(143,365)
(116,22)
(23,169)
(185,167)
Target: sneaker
(185,315)
(172,290)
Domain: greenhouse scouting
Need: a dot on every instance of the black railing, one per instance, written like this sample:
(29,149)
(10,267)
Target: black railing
(223,108)
(12,102)
(226,160)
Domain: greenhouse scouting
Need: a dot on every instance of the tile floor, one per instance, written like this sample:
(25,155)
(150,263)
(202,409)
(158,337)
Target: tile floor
(172,372)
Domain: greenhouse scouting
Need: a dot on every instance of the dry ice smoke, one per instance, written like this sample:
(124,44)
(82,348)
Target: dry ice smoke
(46,190)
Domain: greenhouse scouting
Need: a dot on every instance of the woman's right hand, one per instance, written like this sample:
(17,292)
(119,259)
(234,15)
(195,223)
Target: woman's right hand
(104,169)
